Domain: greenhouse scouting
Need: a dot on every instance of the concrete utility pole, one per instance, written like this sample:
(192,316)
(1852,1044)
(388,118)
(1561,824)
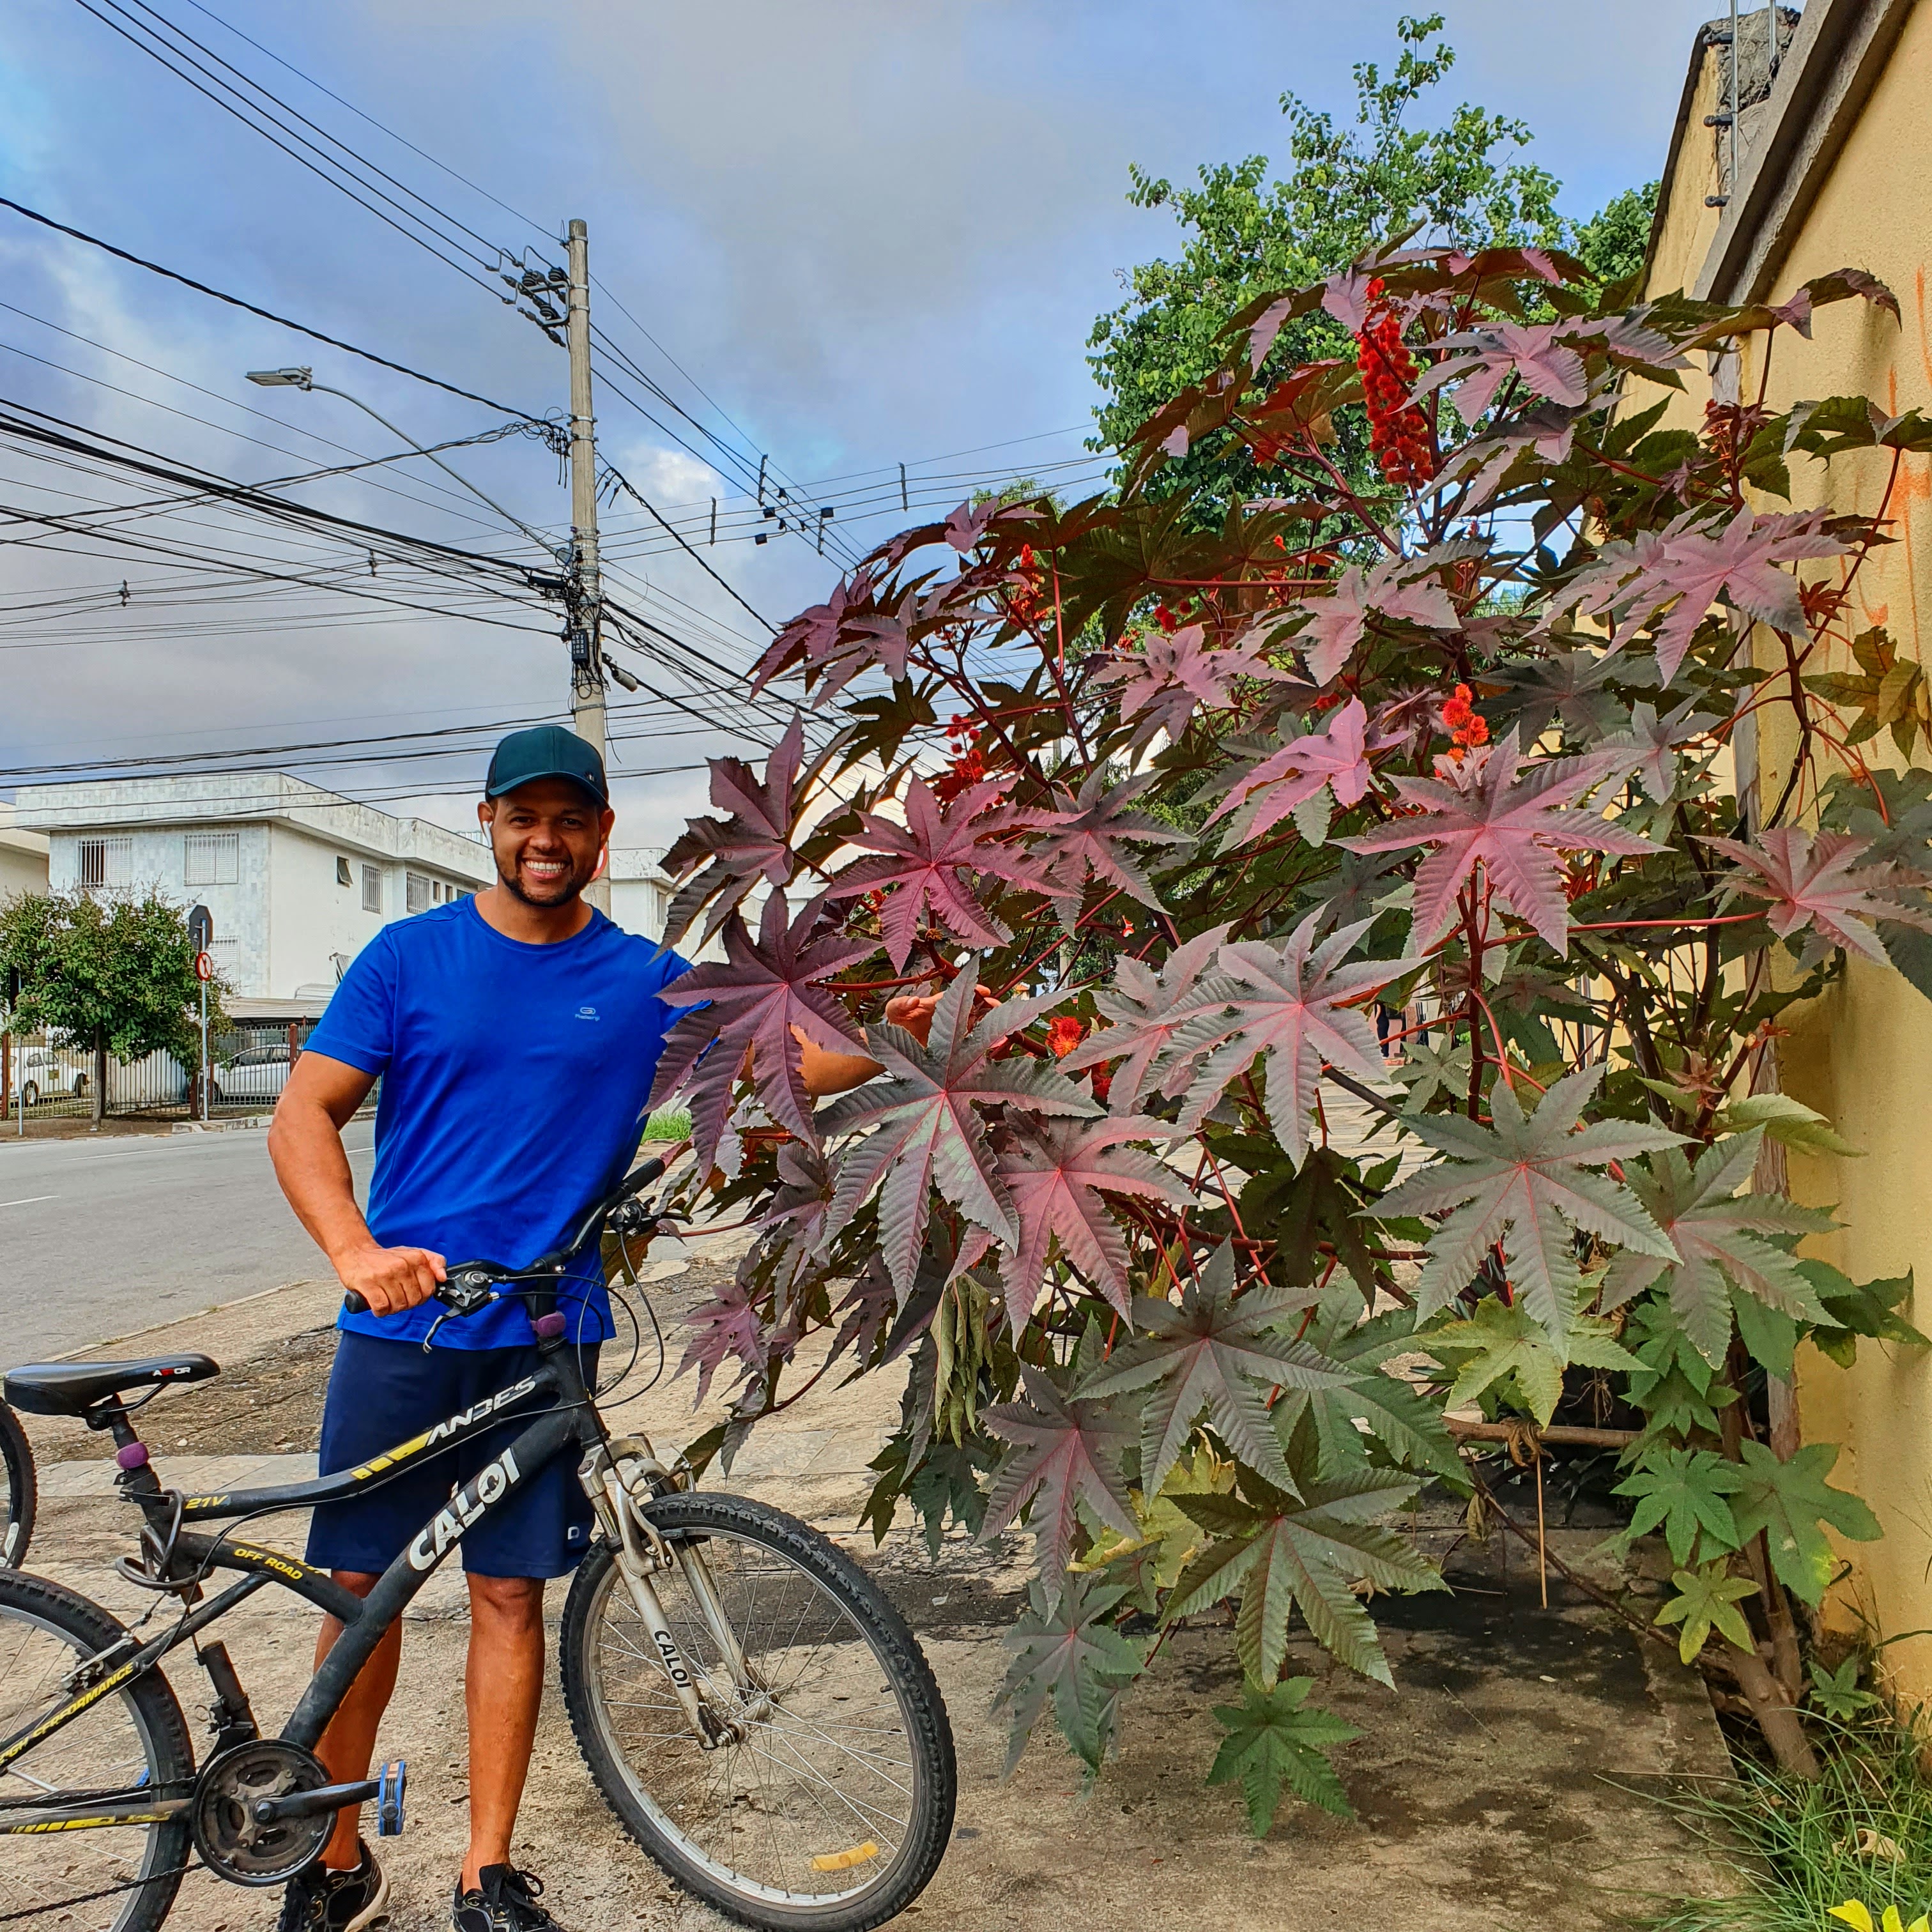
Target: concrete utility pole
(584,600)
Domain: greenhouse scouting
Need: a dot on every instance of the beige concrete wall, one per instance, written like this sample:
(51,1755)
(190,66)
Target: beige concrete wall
(1863,1053)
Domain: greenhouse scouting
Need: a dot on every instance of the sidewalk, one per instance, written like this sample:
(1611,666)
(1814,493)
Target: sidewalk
(1500,1789)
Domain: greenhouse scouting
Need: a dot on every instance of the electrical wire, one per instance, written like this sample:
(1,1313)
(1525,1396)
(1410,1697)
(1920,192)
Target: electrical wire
(267,315)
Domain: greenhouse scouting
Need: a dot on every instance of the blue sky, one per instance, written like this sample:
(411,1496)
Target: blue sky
(873,232)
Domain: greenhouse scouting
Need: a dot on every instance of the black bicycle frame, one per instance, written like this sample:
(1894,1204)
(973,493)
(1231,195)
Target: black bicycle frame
(571,1422)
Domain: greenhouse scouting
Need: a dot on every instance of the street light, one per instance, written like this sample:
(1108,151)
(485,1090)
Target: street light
(303,378)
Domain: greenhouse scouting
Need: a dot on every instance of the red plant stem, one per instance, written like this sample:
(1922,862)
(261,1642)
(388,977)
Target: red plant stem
(1025,970)
(885,986)
(1623,924)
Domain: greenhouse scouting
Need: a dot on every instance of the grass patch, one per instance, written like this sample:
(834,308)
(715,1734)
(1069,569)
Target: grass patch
(668,1123)
(1864,1832)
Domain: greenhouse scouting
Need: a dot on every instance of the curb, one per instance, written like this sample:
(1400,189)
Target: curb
(221,1126)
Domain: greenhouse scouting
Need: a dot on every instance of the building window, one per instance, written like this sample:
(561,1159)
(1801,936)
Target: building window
(344,876)
(415,889)
(210,858)
(106,863)
(372,888)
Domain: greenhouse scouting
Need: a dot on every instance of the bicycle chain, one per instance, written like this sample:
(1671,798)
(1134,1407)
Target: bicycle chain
(88,1898)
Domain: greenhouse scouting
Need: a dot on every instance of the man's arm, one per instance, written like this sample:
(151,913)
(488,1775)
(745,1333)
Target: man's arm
(305,1144)
(826,1073)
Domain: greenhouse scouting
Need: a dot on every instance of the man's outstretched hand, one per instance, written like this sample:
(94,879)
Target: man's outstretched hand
(913,1013)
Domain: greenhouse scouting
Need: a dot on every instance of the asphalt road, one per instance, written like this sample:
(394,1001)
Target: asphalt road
(100,1238)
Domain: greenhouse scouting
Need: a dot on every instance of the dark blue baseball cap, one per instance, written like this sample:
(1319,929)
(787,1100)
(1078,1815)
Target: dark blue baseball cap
(545,751)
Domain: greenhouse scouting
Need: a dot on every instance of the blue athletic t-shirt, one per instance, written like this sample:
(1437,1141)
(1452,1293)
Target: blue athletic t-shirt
(516,1080)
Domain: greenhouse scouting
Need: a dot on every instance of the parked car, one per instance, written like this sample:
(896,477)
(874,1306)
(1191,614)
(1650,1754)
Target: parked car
(256,1073)
(50,1073)
(45,1071)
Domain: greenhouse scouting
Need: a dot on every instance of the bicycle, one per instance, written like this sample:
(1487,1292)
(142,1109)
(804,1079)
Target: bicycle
(750,1706)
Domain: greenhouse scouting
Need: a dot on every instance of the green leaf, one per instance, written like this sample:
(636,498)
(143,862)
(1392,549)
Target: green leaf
(1275,1738)
(1526,1182)
(1869,1310)
(1281,1552)
(1769,1335)
(1067,1653)
(1836,1693)
(1503,1338)
(1396,1414)
(1788,1501)
(1683,1489)
(1788,1120)
(1708,1600)
(1216,1351)
(1720,1238)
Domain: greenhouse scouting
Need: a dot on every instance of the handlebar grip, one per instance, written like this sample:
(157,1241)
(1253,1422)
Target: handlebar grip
(352,1303)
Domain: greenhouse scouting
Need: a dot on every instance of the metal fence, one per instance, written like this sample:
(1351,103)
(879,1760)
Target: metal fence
(42,1079)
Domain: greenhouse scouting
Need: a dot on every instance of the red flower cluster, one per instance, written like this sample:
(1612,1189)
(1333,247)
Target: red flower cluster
(1026,594)
(968,765)
(1166,619)
(1064,1034)
(1398,431)
(1466,725)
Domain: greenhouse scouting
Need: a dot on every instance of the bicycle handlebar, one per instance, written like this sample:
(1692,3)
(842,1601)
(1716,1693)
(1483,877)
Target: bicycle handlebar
(470,1285)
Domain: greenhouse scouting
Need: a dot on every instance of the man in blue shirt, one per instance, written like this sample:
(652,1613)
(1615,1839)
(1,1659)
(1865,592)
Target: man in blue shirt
(516,1034)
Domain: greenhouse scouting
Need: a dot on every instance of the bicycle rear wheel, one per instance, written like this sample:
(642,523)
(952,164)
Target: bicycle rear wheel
(835,1809)
(115,1879)
(17,1461)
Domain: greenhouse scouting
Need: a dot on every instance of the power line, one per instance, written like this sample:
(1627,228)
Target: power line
(267,315)
(161,53)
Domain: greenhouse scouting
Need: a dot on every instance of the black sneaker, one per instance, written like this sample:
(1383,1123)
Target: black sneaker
(504,1900)
(318,1900)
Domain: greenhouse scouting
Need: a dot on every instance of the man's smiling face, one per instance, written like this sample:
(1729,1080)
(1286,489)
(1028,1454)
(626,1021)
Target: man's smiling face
(546,837)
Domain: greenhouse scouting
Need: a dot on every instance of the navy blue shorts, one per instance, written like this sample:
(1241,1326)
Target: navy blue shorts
(382,1393)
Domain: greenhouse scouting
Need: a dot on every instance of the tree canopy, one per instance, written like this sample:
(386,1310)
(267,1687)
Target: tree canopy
(114,972)
(1346,188)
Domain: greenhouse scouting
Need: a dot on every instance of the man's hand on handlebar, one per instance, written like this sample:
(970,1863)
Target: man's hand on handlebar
(390,1280)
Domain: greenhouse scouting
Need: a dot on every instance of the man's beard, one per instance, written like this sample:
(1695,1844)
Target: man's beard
(563,893)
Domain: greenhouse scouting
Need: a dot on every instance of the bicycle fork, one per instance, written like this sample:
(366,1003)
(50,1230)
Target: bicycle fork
(619,1479)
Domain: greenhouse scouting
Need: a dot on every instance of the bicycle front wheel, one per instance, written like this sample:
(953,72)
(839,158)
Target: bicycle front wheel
(16,1462)
(120,1878)
(833,1809)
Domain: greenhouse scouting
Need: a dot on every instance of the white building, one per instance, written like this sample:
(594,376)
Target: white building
(640,890)
(23,859)
(296,879)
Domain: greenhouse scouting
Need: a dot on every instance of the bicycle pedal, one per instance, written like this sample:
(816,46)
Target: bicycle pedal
(394,1778)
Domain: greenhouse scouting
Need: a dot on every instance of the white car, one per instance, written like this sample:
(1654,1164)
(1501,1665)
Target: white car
(43,1071)
(257,1073)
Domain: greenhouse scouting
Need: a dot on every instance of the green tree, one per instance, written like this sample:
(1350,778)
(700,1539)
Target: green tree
(1612,243)
(116,975)
(1347,188)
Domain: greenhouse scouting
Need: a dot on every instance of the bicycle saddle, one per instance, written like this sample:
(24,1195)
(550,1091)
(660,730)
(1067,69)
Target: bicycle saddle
(71,1388)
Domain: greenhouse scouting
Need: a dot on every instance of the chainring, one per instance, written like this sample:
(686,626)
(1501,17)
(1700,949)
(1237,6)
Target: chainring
(221,1814)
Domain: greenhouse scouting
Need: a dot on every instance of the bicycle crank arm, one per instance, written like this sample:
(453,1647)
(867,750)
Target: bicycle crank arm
(323,1797)
(97,1815)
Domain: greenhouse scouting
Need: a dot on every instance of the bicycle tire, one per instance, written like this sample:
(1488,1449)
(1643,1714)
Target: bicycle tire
(17,1455)
(32,1879)
(894,1654)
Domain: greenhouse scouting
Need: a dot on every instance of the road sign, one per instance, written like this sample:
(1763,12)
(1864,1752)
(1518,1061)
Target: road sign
(204,967)
(201,928)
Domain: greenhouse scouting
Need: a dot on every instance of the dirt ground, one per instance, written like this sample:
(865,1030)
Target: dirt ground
(1507,1785)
